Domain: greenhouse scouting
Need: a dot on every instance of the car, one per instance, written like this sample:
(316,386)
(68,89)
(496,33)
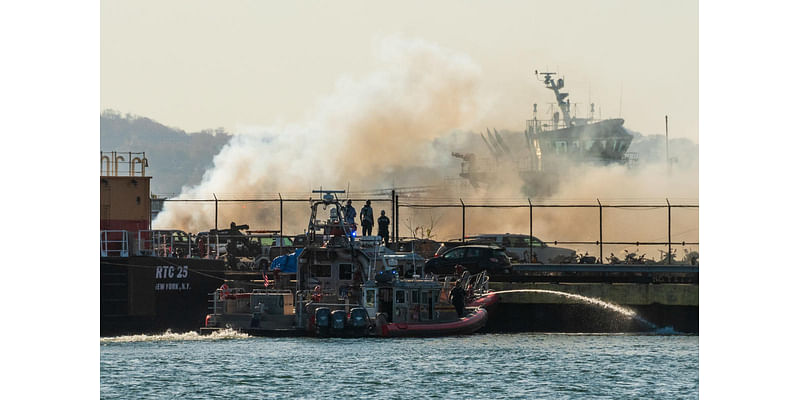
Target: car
(444,246)
(519,246)
(474,258)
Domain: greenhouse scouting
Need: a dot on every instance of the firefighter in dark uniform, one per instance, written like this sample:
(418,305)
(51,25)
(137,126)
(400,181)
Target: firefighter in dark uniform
(457,298)
(383,227)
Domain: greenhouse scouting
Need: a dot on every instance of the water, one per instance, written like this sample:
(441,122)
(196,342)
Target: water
(522,366)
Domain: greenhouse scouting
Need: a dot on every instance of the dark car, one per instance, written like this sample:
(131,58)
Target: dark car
(474,258)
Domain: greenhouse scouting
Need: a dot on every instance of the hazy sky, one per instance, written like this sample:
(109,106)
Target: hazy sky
(239,64)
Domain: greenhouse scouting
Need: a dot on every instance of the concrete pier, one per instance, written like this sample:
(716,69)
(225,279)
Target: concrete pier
(664,305)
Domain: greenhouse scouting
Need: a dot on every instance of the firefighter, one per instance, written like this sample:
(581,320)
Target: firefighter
(367,219)
(383,227)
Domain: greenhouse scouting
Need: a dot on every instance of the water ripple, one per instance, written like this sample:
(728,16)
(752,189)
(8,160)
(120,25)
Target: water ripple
(511,366)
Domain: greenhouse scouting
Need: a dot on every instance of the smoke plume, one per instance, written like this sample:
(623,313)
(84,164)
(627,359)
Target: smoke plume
(371,133)
(397,127)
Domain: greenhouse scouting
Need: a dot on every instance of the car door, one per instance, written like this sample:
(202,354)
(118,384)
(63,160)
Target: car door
(473,262)
(451,258)
(543,253)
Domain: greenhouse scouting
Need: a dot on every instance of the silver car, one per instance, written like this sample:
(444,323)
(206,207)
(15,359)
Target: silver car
(518,247)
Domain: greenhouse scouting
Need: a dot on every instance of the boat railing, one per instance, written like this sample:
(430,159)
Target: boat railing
(114,243)
(162,243)
(218,296)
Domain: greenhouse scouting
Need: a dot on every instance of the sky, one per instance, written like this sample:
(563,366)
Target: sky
(199,65)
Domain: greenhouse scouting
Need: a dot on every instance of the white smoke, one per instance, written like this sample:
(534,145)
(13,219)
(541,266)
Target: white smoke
(362,135)
(398,127)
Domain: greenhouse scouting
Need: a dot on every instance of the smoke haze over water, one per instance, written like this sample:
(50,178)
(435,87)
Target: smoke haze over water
(397,127)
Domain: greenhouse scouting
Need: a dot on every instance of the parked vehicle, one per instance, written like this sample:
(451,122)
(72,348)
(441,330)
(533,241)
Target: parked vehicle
(444,246)
(474,258)
(519,247)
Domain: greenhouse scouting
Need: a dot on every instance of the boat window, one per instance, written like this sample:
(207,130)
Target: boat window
(370,298)
(424,297)
(473,252)
(346,271)
(415,296)
(400,296)
(321,270)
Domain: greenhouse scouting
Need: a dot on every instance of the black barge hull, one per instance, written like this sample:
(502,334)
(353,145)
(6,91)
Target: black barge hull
(150,295)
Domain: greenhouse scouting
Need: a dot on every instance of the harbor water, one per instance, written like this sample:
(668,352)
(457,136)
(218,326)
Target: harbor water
(523,366)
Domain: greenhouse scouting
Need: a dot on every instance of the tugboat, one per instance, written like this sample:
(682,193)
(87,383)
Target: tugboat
(347,286)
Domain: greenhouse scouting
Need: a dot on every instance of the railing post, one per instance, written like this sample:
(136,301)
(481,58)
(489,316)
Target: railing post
(280,234)
(463,220)
(669,233)
(601,230)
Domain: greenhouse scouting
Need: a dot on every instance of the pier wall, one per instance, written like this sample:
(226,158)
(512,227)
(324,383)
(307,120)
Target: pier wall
(673,306)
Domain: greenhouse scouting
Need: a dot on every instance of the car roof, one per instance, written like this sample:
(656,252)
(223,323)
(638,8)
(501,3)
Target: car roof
(491,235)
(483,246)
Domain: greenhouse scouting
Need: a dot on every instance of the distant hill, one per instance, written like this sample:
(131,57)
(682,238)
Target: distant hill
(176,158)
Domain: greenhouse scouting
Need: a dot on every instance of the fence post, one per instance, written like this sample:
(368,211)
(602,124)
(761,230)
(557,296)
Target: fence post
(669,233)
(601,230)
(463,220)
(216,211)
(530,226)
(397,215)
(394,220)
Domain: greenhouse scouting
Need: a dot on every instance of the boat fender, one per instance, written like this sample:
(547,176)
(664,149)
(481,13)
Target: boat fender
(208,317)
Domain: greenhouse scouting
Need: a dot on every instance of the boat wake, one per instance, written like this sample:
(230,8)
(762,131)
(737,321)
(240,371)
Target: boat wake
(170,336)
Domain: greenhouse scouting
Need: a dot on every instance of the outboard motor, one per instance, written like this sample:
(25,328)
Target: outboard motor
(323,320)
(338,320)
(359,320)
